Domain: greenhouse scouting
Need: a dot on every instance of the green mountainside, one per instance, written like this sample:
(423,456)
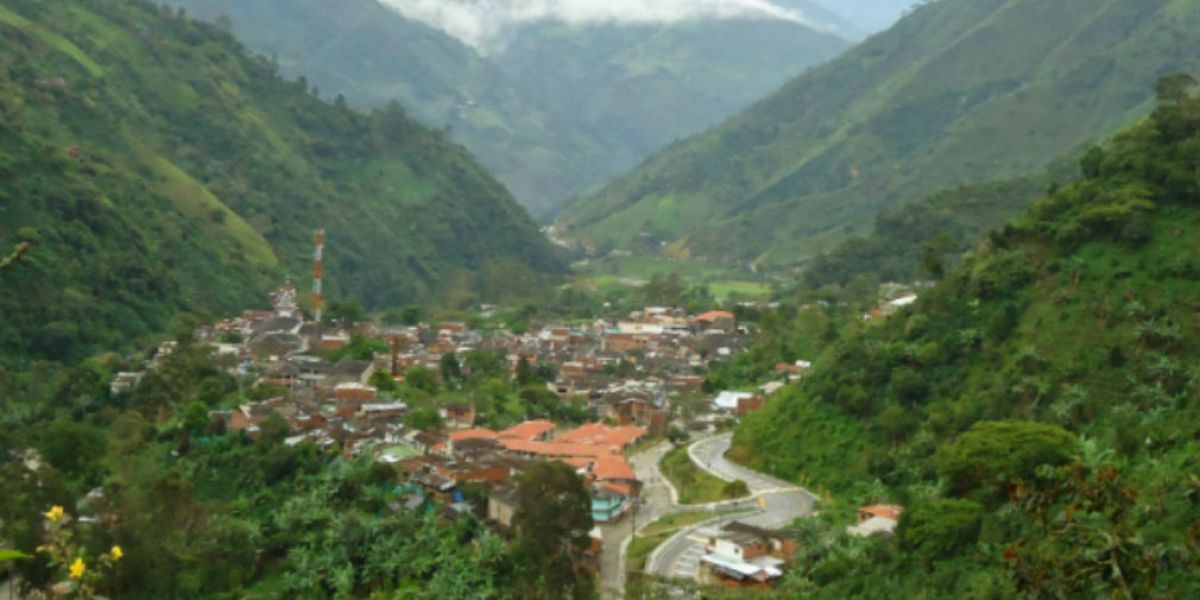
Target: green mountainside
(921,239)
(549,114)
(158,168)
(1068,338)
(958,92)
(636,88)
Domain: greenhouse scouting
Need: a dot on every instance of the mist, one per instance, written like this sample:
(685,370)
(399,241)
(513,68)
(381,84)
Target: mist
(478,23)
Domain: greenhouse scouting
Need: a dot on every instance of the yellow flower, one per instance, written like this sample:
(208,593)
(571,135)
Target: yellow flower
(116,553)
(77,568)
(55,514)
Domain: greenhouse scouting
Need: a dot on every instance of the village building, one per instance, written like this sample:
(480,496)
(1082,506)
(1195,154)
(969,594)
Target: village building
(742,555)
(876,519)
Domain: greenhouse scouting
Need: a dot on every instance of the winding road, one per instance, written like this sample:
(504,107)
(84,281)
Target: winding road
(777,504)
(774,504)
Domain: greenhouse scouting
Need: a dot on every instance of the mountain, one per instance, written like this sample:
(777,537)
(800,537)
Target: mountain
(158,168)
(958,92)
(523,124)
(635,88)
(1037,412)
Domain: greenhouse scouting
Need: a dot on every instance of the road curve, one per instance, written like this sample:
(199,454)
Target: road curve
(777,504)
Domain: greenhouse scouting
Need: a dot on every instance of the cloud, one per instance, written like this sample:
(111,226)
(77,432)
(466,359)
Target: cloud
(481,22)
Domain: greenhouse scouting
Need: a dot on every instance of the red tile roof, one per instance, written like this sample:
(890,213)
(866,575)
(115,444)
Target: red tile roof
(529,430)
(713,315)
(599,434)
(473,434)
(612,467)
(887,511)
(556,449)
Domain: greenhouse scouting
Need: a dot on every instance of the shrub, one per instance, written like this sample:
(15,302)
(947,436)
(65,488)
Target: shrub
(992,453)
(940,528)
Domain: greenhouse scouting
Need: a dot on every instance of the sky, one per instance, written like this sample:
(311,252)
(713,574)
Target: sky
(480,22)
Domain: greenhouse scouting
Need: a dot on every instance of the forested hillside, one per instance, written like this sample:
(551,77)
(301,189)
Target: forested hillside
(922,239)
(553,112)
(157,168)
(958,92)
(1037,412)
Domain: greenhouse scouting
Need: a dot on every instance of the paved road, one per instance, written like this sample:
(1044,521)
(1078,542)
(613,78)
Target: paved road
(656,501)
(776,504)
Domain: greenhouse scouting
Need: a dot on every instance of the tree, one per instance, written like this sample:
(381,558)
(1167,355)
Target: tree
(552,522)
(482,365)
(940,528)
(1174,88)
(346,312)
(423,419)
(524,372)
(420,378)
(993,453)
(452,375)
(1089,538)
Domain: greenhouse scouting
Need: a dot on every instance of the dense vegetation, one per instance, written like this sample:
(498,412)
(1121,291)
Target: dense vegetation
(204,513)
(1036,412)
(925,239)
(556,111)
(157,168)
(958,92)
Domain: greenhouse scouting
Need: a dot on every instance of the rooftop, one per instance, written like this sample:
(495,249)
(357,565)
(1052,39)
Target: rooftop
(529,430)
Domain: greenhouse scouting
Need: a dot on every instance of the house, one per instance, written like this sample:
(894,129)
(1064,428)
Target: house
(742,555)
(384,411)
(458,416)
(769,388)
(425,441)
(502,505)
(276,345)
(749,405)
(728,401)
(457,438)
(618,439)
(335,340)
(349,371)
(877,519)
(351,397)
(685,383)
(795,371)
(608,505)
(716,320)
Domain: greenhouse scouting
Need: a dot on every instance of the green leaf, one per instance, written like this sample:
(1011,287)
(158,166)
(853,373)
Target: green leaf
(7,555)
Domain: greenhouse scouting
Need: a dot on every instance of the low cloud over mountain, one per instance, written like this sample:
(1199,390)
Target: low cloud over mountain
(482,22)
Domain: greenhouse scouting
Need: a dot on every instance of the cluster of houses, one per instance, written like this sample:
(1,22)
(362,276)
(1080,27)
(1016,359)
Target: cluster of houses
(625,368)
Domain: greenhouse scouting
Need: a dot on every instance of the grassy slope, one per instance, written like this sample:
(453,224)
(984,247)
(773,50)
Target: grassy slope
(695,485)
(1081,314)
(164,170)
(961,91)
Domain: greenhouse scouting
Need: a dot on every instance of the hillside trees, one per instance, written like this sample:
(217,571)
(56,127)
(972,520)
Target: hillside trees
(552,522)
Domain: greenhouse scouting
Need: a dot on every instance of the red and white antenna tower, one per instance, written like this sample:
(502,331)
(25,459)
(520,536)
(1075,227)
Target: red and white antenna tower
(318,273)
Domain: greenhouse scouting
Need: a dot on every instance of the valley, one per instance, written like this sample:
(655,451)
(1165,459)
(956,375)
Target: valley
(720,299)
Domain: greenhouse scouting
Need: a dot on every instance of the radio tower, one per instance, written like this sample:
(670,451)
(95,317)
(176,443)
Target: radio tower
(318,273)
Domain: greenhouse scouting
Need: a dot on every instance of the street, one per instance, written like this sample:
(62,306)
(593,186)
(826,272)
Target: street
(777,504)
(656,502)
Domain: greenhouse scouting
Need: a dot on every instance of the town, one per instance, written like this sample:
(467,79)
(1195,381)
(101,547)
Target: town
(612,384)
